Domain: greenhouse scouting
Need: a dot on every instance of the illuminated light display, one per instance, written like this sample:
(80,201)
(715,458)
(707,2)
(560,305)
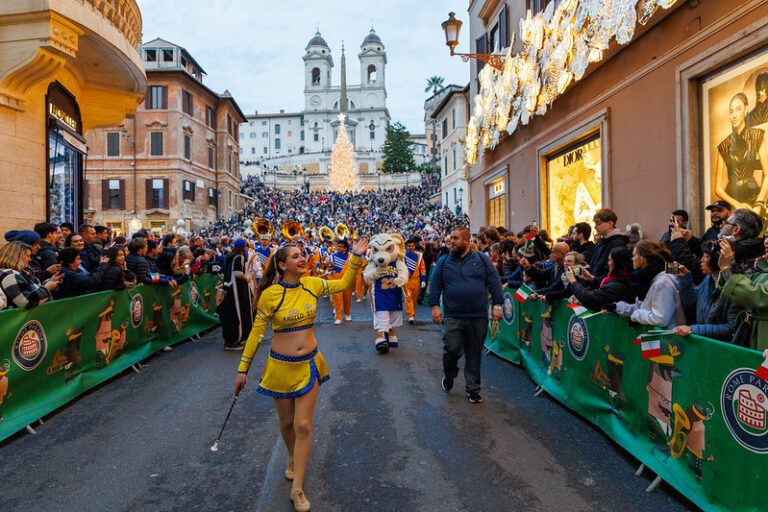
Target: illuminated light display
(558,45)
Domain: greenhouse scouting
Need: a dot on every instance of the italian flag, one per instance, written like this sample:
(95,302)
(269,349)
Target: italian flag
(522,293)
(651,348)
(529,239)
(579,310)
(762,372)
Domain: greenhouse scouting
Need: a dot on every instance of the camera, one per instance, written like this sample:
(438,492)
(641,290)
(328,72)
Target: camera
(672,268)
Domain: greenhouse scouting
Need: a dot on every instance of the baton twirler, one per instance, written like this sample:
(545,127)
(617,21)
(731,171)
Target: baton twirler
(215,446)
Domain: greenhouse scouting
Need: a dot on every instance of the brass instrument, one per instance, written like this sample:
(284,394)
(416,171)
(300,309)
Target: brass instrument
(263,226)
(310,231)
(341,231)
(291,228)
(326,233)
(679,439)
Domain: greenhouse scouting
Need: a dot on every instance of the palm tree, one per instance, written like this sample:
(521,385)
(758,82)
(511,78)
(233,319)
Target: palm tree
(435,84)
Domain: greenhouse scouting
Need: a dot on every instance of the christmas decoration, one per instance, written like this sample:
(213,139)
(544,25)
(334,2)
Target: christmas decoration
(343,176)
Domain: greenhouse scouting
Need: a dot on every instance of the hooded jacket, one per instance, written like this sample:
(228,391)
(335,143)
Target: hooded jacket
(599,263)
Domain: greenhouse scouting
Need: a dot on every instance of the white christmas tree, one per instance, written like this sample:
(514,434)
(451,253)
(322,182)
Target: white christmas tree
(343,176)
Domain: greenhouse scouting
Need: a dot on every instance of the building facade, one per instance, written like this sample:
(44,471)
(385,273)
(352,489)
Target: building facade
(66,67)
(175,164)
(302,141)
(451,115)
(645,131)
(419,148)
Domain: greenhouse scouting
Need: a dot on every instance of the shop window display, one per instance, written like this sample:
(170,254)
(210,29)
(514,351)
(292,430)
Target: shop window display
(735,116)
(573,178)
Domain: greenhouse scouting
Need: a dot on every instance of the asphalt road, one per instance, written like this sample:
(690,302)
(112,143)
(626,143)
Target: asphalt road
(385,438)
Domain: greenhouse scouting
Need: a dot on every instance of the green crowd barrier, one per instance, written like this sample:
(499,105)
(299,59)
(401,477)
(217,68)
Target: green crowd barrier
(52,353)
(694,413)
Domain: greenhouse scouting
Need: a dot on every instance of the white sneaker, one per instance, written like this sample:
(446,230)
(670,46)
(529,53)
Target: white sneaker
(359,300)
(348,318)
(337,322)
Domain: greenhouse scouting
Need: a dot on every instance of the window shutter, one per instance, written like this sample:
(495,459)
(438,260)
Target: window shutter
(148,187)
(503,34)
(122,195)
(165,96)
(104,194)
(192,191)
(481,47)
(166,199)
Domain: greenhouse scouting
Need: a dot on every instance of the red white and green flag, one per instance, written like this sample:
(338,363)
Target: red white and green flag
(529,239)
(580,311)
(651,348)
(762,372)
(522,293)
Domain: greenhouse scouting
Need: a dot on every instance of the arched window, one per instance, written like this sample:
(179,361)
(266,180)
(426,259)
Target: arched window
(315,76)
(371,74)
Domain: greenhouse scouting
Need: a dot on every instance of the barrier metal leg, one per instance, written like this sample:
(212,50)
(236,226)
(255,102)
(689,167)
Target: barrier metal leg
(640,470)
(41,421)
(654,484)
(539,390)
(30,429)
(133,367)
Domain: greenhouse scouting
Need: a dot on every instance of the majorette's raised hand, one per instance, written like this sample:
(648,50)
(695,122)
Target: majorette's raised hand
(359,247)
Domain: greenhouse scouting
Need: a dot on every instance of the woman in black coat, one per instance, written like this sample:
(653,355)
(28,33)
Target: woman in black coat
(116,276)
(76,281)
(617,286)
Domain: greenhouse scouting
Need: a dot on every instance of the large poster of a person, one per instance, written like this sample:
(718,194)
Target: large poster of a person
(736,150)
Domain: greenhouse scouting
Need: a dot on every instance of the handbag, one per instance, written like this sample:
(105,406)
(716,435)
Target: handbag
(743,333)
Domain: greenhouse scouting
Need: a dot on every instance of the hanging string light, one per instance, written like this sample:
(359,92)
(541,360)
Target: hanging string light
(558,45)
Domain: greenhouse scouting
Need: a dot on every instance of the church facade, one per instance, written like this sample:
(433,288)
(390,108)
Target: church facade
(301,142)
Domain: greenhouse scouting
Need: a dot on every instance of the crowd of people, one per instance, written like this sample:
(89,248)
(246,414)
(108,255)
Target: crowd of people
(56,262)
(408,210)
(714,286)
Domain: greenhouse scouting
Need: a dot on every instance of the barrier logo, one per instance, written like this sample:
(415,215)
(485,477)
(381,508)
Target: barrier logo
(137,310)
(194,294)
(30,346)
(509,310)
(743,400)
(578,337)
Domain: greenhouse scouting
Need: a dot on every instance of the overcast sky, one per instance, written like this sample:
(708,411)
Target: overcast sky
(254,47)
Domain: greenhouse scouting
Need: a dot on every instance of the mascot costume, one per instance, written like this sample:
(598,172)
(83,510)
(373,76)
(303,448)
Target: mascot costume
(387,273)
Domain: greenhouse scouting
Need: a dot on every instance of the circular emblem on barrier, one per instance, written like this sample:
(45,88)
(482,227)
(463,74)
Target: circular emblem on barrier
(137,310)
(578,337)
(30,346)
(194,295)
(509,309)
(743,400)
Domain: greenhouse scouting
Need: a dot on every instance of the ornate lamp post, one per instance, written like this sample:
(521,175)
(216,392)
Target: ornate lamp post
(371,127)
(452,27)
(461,200)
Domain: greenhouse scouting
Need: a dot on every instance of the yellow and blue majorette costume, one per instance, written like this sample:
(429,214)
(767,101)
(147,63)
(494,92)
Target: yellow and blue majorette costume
(292,307)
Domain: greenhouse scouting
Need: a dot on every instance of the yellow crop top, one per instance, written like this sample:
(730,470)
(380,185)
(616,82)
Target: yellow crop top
(292,307)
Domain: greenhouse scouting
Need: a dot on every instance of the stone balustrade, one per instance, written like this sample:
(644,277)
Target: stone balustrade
(124,15)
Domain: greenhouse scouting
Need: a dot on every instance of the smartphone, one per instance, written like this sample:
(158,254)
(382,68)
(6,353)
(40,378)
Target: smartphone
(576,270)
(672,268)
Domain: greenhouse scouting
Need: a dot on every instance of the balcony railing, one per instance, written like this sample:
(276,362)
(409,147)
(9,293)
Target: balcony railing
(124,15)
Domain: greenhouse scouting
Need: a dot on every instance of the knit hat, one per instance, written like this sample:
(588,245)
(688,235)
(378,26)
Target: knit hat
(239,243)
(23,235)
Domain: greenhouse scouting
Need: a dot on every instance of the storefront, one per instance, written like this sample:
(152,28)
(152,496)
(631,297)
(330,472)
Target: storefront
(67,154)
(496,203)
(675,118)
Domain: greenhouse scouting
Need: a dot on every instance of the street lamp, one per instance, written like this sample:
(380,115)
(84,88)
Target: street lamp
(306,183)
(452,27)
(372,127)
(378,172)
(461,201)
